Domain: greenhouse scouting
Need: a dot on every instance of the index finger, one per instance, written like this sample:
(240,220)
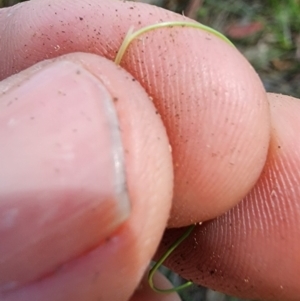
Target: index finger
(211,101)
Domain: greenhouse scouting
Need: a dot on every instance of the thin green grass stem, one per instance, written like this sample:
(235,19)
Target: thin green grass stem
(130,36)
(161,261)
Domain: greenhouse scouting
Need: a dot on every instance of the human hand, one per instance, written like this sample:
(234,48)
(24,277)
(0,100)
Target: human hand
(66,234)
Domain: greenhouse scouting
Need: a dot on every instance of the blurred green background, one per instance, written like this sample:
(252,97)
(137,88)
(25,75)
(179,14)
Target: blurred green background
(267,32)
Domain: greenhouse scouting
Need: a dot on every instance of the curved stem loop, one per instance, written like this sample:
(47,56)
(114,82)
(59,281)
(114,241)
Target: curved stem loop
(130,36)
(163,258)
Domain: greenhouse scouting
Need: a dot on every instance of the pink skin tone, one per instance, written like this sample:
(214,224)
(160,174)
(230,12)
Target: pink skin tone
(183,97)
(70,235)
(253,249)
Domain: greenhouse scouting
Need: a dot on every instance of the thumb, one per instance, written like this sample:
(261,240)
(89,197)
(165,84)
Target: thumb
(86,181)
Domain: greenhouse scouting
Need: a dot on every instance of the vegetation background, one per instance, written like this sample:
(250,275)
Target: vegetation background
(267,32)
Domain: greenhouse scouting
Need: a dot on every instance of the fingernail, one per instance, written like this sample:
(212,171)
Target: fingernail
(62,187)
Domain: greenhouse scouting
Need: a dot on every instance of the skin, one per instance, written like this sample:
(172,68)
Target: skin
(225,134)
(252,250)
(239,94)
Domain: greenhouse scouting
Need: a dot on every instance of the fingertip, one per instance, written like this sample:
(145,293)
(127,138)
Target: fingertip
(92,271)
(252,251)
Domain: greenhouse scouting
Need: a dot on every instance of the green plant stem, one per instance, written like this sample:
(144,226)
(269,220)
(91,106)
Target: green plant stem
(163,258)
(130,36)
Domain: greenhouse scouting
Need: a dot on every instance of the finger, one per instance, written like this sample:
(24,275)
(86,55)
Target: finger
(62,199)
(253,250)
(212,103)
(145,293)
